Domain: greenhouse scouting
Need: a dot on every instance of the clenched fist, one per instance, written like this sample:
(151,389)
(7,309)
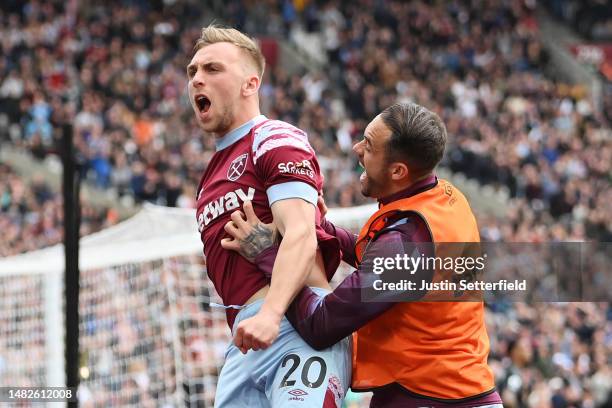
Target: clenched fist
(257,332)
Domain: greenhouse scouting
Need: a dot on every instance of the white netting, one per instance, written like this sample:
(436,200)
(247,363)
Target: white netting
(22,326)
(148,336)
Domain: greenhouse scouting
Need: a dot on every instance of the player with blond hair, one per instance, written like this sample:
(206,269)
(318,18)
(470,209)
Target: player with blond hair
(272,164)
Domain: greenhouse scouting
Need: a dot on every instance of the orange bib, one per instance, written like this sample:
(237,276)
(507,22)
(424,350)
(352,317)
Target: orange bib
(435,349)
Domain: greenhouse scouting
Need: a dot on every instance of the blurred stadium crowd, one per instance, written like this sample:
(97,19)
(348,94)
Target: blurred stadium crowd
(591,18)
(479,64)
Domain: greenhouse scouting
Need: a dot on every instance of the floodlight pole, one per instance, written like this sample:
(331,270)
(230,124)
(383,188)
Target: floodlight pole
(72,221)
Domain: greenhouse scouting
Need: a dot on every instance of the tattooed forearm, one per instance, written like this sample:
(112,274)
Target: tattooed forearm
(260,238)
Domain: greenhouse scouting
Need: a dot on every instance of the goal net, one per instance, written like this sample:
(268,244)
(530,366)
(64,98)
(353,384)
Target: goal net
(148,336)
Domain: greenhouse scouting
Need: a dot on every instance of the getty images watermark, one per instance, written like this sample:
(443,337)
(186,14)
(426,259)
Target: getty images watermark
(522,272)
(459,265)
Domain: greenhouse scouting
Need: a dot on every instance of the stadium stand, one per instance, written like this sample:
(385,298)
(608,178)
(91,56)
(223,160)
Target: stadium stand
(479,64)
(591,18)
(31,215)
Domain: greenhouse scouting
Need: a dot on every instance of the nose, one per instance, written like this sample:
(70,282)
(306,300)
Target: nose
(358,148)
(198,79)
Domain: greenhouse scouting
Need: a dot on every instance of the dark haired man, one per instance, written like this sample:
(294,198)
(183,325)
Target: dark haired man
(410,354)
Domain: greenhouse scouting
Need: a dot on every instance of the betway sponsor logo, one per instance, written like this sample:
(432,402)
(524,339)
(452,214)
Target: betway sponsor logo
(299,167)
(221,205)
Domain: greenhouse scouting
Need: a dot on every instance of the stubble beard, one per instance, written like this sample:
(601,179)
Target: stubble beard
(223,124)
(373,188)
(365,191)
(367,186)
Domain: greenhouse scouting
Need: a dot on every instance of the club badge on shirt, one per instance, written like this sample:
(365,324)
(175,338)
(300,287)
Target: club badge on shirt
(237,167)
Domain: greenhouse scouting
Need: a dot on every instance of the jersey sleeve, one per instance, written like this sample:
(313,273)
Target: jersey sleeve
(286,163)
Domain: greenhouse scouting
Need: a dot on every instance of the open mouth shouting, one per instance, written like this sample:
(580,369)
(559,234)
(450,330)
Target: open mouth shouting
(203,103)
(363,175)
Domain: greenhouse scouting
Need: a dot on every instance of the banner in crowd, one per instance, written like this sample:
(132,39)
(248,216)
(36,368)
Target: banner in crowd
(598,55)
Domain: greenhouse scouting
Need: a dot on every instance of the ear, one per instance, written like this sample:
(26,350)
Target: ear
(250,85)
(399,171)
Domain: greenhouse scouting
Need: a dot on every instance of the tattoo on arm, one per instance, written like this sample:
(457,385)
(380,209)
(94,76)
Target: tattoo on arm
(260,238)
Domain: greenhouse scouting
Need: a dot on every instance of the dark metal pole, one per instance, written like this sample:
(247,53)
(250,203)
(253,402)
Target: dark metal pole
(71,254)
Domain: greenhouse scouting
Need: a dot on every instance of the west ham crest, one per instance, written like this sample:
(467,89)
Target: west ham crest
(236,167)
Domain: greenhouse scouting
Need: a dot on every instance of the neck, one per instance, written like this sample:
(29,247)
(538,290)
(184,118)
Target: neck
(244,114)
(407,184)
(396,188)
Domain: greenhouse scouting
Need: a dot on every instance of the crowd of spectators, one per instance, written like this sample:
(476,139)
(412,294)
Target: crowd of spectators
(551,355)
(479,64)
(591,18)
(31,214)
(479,67)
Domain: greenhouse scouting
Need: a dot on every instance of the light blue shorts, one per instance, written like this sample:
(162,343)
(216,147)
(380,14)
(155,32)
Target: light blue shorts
(289,373)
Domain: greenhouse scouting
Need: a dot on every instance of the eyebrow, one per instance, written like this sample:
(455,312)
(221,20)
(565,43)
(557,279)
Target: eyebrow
(204,64)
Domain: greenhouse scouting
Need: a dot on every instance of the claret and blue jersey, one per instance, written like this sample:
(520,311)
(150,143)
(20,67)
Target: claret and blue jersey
(262,161)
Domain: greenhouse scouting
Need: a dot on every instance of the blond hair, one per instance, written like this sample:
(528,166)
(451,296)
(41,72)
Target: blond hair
(215,34)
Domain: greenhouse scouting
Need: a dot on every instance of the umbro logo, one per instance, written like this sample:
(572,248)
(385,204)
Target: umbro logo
(298,393)
(237,167)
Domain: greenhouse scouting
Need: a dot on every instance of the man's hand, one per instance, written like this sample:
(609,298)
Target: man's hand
(294,260)
(257,332)
(248,237)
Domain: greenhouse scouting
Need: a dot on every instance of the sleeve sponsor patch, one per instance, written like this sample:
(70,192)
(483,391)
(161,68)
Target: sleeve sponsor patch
(302,167)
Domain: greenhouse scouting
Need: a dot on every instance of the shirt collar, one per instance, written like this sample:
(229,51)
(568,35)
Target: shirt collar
(241,131)
(416,188)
